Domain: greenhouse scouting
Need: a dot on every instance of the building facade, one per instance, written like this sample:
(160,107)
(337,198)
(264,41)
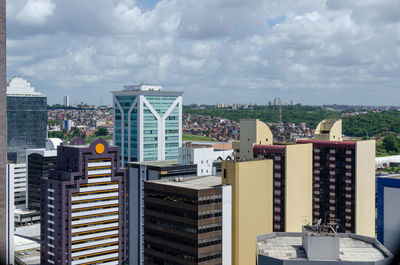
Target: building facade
(9,214)
(83,206)
(252,205)
(292,184)
(204,158)
(344,184)
(26,119)
(185,221)
(66,101)
(39,162)
(388,220)
(4,201)
(17,172)
(138,173)
(147,123)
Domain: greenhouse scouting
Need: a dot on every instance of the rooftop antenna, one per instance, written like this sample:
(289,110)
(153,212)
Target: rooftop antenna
(280,112)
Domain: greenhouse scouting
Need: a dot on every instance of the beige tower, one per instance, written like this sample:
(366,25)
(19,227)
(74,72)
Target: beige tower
(252,205)
(252,131)
(329,130)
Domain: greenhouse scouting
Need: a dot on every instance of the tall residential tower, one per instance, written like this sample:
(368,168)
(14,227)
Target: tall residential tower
(147,123)
(83,206)
(343,180)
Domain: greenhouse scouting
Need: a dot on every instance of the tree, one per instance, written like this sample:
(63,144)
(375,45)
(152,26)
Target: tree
(391,143)
(102,131)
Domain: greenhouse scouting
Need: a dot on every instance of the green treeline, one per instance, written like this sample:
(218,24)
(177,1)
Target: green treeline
(370,124)
(311,115)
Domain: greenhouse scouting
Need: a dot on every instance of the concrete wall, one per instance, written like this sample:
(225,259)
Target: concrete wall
(251,183)
(28,230)
(252,132)
(226,225)
(134,221)
(298,189)
(365,188)
(329,130)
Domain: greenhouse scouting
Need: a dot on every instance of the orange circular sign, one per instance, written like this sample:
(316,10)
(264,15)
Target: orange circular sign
(99,148)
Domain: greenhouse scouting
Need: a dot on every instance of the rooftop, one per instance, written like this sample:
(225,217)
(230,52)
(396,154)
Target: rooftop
(195,183)
(390,176)
(142,88)
(158,163)
(288,246)
(27,250)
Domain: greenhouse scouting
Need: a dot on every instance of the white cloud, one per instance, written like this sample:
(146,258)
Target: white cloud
(35,12)
(222,47)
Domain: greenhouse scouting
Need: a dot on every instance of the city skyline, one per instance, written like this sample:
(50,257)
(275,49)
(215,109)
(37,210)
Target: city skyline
(314,52)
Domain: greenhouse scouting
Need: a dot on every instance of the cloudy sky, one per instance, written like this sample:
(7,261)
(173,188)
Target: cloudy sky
(312,51)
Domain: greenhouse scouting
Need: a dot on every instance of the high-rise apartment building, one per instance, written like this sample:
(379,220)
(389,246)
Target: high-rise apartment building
(292,184)
(187,221)
(83,206)
(26,119)
(343,180)
(292,173)
(4,202)
(147,123)
(66,101)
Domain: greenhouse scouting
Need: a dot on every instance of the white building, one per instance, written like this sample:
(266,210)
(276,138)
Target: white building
(384,161)
(203,158)
(66,101)
(10,208)
(17,173)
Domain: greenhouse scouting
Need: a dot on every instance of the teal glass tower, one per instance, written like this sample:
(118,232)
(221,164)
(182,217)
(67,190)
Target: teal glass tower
(147,123)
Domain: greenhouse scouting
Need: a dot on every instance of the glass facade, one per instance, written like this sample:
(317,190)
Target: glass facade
(151,125)
(126,102)
(26,125)
(38,168)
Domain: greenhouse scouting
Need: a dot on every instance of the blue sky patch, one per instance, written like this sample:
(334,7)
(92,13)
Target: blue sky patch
(275,21)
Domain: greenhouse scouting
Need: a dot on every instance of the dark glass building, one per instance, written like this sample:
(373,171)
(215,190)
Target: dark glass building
(83,206)
(39,162)
(183,221)
(26,119)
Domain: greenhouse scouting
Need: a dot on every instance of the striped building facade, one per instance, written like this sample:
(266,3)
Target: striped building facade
(83,206)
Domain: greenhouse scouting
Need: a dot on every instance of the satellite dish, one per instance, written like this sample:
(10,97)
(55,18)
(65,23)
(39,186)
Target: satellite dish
(319,222)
